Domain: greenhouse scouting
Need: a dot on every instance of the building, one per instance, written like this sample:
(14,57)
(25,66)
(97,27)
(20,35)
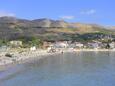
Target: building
(3,48)
(79,45)
(94,45)
(112,45)
(61,44)
(15,43)
(47,44)
(33,48)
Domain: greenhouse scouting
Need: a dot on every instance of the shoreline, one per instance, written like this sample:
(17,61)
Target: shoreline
(19,58)
(6,62)
(95,50)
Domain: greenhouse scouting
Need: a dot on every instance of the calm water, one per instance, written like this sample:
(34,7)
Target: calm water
(69,69)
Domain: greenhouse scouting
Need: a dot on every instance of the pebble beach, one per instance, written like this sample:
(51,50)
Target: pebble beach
(22,56)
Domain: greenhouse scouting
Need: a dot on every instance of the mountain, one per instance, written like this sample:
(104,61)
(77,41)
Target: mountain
(46,29)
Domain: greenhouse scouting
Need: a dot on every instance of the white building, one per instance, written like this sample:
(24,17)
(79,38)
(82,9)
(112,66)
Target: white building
(33,48)
(15,43)
(112,45)
(3,48)
(94,45)
(79,45)
(61,45)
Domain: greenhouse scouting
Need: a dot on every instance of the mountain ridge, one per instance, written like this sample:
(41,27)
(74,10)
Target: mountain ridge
(12,28)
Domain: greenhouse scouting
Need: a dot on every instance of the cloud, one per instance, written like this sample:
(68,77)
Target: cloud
(67,17)
(88,12)
(4,13)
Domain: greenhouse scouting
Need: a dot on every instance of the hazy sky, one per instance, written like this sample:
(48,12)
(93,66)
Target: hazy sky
(86,11)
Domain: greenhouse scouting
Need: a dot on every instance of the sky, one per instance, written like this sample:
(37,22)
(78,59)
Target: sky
(84,11)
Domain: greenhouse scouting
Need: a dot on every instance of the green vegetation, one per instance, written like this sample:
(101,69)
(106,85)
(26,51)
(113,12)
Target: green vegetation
(3,42)
(30,41)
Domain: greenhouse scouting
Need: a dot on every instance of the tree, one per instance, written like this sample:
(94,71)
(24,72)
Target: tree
(3,42)
(34,41)
(107,46)
(31,41)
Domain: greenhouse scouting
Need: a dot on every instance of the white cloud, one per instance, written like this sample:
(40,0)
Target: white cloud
(67,17)
(88,12)
(4,13)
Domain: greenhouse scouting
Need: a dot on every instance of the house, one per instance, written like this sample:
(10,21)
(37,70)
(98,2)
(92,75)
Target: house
(51,49)
(61,44)
(94,45)
(47,44)
(15,43)
(33,48)
(79,45)
(112,45)
(3,48)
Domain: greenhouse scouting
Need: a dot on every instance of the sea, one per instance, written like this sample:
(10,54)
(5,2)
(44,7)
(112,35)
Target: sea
(92,68)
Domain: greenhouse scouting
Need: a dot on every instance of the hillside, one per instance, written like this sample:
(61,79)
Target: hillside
(46,29)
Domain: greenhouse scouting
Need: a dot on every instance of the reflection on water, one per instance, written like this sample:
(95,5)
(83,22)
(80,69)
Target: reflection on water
(69,69)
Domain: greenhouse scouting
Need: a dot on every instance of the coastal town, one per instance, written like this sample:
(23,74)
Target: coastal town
(78,45)
(14,52)
(47,45)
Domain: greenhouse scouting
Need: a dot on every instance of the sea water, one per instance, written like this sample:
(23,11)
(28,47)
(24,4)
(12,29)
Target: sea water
(67,69)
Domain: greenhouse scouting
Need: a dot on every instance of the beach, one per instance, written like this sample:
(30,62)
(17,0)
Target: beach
(24,55)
